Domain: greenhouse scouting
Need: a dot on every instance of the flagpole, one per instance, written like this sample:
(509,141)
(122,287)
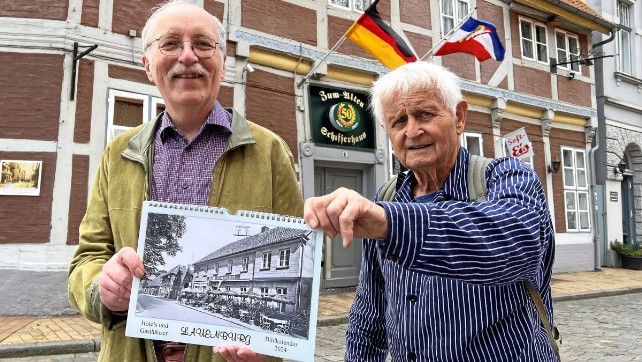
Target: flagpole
(305,79)
(454,29)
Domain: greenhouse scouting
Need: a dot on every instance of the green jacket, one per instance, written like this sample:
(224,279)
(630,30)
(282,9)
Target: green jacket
(255,172)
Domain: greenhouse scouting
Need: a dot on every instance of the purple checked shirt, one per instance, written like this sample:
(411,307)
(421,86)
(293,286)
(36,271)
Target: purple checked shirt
(182,171)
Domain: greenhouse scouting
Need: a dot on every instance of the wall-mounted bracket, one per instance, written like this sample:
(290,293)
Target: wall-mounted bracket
(74,64)
(579,60)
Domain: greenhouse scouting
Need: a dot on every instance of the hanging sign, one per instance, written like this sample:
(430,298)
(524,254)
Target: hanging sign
(340,117)
(518,144)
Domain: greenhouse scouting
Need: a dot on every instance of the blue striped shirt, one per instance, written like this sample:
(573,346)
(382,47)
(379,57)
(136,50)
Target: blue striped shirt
(446,284)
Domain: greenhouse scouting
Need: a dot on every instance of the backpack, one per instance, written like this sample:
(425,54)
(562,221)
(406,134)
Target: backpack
(477,191)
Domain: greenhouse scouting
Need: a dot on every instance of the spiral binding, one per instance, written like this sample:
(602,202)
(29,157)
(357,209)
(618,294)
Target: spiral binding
(222,211)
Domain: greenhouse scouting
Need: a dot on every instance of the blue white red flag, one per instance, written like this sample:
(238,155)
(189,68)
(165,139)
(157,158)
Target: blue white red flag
(475,37)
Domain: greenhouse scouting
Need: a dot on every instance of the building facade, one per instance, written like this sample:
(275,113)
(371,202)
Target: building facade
(618,157)
(74,79)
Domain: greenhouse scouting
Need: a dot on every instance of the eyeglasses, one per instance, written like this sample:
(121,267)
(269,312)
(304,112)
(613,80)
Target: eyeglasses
(173,45)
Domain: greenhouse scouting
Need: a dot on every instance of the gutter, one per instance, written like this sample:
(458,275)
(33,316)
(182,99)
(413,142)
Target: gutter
(597,264)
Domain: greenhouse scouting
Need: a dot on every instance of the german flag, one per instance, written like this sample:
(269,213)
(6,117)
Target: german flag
(377,38)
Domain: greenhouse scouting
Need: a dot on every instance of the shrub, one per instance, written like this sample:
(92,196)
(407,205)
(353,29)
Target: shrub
(630,250)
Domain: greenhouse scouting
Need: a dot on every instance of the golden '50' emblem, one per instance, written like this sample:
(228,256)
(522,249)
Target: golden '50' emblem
(344,117)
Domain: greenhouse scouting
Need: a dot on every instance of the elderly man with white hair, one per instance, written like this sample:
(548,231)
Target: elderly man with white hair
(445,275)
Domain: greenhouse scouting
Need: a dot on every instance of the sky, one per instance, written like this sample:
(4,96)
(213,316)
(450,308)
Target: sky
(205,235)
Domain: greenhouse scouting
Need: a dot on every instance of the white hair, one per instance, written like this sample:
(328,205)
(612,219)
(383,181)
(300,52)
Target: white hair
(413,77)
(222,34)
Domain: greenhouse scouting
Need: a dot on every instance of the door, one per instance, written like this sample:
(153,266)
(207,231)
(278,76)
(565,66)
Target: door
(341,265)
(628,210)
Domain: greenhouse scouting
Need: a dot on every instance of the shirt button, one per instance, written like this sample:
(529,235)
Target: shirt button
(185,185)
(412,298)
(394,258)
(412,356)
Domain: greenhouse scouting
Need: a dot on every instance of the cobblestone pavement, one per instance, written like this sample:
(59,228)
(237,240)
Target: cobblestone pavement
(606,329)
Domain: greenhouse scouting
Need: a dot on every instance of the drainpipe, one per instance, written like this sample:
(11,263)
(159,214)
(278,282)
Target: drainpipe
(596,235)
(596,216)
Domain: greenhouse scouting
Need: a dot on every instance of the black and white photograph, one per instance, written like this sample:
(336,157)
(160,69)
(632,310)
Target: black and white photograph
(21,178)
(209,274)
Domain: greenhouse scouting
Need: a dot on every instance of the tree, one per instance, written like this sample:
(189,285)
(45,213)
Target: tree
(162,235)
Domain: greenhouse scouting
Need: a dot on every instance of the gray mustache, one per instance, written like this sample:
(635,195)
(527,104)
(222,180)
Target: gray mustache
(196,69)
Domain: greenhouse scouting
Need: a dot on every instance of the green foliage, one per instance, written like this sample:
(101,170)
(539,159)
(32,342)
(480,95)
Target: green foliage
(631,250)
(162,236)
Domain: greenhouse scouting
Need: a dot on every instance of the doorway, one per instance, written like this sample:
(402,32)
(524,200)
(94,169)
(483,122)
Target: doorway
(628,210)
(341,265)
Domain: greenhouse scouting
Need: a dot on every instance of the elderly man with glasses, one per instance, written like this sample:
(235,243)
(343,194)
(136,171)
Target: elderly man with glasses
(195,152)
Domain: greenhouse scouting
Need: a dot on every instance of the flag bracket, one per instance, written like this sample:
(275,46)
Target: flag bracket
(74,65)
(581,61)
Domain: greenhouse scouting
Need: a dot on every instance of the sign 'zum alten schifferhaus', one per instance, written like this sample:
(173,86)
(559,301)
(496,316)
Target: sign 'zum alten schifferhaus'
(340,117)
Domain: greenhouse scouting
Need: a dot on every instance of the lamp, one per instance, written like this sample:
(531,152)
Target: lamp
(554,167)
(620,168)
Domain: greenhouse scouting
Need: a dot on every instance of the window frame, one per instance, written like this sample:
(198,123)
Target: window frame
(473,135)
(284,263)
(282,291)
(266,260)
(534,49)
(579,195)
(456,17)
(150,103)
(625,61)
(245,264)
(352,5)
(568,56)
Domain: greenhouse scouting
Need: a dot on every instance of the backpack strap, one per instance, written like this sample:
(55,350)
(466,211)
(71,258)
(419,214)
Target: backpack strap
(476,178)
(553,334)
(389,189)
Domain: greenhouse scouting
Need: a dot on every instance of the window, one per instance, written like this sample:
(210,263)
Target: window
(127,110)
(576,195)
(395,167)
(284,258)
(245,264)
(354,5)
(267,260)
(452,12)
(264,291)
(624,43)
(216,268)
(533,40)
(230,263)
(473,143)
(282,292)
(568,49)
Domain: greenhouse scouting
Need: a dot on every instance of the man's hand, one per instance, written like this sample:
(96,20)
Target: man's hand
(115,280)
(239,354)
(347,213)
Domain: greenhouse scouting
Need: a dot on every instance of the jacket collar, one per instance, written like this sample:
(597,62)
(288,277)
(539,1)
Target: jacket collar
(140,143)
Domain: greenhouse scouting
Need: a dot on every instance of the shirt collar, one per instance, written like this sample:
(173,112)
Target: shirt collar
(455,186)
(217,116)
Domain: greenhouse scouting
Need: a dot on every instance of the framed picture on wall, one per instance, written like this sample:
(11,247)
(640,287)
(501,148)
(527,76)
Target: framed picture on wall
(20,178)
